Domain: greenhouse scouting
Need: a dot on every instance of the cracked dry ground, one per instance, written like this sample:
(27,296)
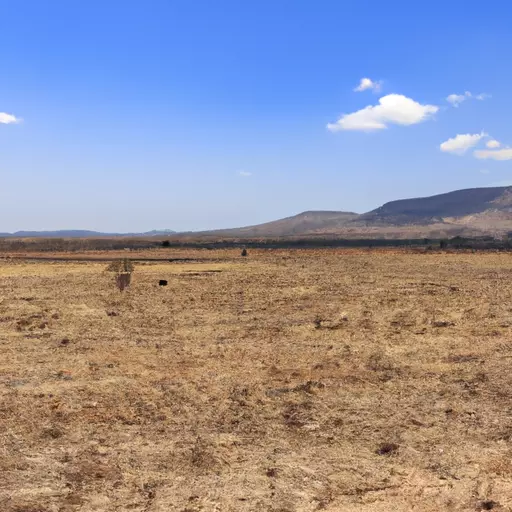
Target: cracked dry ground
(285,381)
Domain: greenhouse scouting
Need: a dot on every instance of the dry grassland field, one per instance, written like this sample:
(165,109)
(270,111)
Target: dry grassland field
(334,380)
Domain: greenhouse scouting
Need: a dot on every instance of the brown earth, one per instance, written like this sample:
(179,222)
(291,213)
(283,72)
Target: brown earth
(285,381)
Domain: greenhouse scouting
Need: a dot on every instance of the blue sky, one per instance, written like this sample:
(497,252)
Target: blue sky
(194,114)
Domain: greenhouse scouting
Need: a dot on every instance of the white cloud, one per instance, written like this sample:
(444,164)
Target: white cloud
(245,173)
(461,143)
(498,154)
(367,83)
(457,99)
(493,144)
(392,109)
(8,118)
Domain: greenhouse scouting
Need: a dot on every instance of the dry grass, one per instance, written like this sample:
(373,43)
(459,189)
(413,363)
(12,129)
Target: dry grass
(285,381)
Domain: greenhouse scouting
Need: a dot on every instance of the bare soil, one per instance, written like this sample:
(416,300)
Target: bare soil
(334,380)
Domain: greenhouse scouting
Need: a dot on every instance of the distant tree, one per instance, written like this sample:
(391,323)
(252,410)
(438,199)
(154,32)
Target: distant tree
(458,242)
(443,244)
(166,243)
(244,252)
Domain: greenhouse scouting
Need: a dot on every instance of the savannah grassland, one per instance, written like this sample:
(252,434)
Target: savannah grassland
(335,380)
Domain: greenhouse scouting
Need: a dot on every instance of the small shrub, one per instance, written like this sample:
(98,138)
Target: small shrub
(487,505)
(387,449)
(244,252)
(123,268)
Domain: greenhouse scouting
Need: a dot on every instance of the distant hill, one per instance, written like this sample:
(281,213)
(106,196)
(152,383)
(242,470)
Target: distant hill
(305,222)
(427,210)
(81,233)
(470,212)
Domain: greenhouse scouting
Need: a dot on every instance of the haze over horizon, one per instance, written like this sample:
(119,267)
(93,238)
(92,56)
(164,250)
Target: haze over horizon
(131,116)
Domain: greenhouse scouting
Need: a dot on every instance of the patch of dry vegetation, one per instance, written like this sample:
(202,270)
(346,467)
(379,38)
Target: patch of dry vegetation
(284,381)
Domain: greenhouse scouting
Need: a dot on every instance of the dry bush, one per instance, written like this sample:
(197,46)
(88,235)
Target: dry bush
(124,266)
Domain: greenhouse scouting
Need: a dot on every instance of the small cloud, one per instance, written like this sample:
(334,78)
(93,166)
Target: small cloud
(367,83)
(8,119)
(461,143)
(457,99)
(493,144)
(244,173)
(485,171)
(392,109)
(498,154)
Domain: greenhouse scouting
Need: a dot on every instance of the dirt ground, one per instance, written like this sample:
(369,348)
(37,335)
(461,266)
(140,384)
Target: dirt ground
(286,381)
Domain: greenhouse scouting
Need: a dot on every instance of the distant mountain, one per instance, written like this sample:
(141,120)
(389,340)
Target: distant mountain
(82,233)
(470,212)
(426,210)
(158,232)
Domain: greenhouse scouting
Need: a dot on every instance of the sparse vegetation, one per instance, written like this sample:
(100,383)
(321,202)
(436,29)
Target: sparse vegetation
(124,266)
(337,380)
(45,247)
(123,269)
